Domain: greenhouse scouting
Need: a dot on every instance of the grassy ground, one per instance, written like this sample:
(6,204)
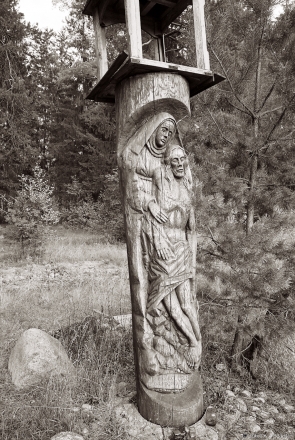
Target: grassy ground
(79,276)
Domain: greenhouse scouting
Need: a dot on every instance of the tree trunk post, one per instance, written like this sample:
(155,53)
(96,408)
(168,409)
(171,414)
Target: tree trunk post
(160,245)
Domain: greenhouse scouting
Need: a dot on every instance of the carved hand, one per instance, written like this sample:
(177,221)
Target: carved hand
(165,254)
(157,212)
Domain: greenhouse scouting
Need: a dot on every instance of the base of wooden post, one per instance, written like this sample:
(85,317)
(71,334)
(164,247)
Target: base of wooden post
(173,409)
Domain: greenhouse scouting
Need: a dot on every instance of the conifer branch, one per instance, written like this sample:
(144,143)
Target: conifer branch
(270,111)
(219,129)
(236,107)
(267,96)
(266,144)
(250,113)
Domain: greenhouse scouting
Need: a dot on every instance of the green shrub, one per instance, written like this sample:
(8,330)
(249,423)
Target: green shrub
(31,210)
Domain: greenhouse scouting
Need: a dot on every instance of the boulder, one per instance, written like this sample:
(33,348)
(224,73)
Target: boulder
(67,436)
(37,356)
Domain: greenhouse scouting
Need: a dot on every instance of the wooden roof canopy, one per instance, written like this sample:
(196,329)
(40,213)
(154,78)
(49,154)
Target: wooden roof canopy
(154,17)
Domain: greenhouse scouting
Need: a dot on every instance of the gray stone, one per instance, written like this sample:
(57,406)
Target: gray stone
(229,393)
(67,436)
(250,419)
(246,393)
(255,408)
(203,431)
(269,421)
(87,407)
(269,434)
(288,408)
(254,428)
(273,410)
(259,400)
(220,367)
(124,320)
(241,405)
(135,426)
(263,415)
(231,419)
(37,356)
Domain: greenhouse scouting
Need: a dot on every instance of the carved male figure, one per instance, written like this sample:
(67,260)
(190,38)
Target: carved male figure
(168,251)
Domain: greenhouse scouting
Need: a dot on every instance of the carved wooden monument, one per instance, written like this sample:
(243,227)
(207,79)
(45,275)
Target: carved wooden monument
(152,97)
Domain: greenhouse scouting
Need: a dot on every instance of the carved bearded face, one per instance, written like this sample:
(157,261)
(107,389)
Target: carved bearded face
(164,133)
(178,162)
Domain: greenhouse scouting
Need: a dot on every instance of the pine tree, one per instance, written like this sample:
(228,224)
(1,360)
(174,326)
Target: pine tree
(244,152)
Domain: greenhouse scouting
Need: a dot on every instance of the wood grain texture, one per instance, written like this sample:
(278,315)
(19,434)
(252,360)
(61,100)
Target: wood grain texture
(202,54)
(132,15)
(140,97)
(100,46)
(160,233)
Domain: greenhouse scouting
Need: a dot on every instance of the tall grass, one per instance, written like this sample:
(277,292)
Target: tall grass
(79,276)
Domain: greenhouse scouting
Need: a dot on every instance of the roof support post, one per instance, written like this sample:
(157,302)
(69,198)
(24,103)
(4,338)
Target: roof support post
(132,13)
(100,46)
(203,61)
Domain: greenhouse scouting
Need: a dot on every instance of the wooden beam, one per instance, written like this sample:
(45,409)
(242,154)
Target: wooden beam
(146,9)
(169,3)
(102,7)
(100,46)
(203,61)
(171,15)
(132,15)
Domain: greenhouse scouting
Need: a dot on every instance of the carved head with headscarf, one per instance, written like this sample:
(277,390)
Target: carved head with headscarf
(155,134)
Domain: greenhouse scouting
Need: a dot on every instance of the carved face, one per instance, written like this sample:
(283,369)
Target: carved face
(164,133)
(178,162)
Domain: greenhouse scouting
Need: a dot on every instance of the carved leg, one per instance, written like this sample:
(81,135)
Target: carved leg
(175,311)
(184,296)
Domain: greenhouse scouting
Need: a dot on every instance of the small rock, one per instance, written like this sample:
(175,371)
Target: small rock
(121,387)
(67,436)
(262,394)
(280,418)
(231,419)
(263,415)
(250,419)
(229,393)
(205,432)
(37,356)
(254,428)
(241,405)
(255,408)
(259,399)
(246,393)
(288,408)
(282,402)
(93,426)
(269,434)
(273,410)
(85,431)
(220,367)
(269,421)
(87,407)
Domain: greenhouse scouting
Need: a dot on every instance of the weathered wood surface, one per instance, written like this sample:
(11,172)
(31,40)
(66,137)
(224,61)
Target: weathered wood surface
(124,67)
(132,15)
(156,15)
(156,186)
(202,54)
(100,46)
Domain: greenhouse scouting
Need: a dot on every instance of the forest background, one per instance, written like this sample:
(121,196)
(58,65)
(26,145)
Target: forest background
(58,159)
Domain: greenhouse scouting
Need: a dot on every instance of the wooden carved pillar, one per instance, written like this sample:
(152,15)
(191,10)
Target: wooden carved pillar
(156,187)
